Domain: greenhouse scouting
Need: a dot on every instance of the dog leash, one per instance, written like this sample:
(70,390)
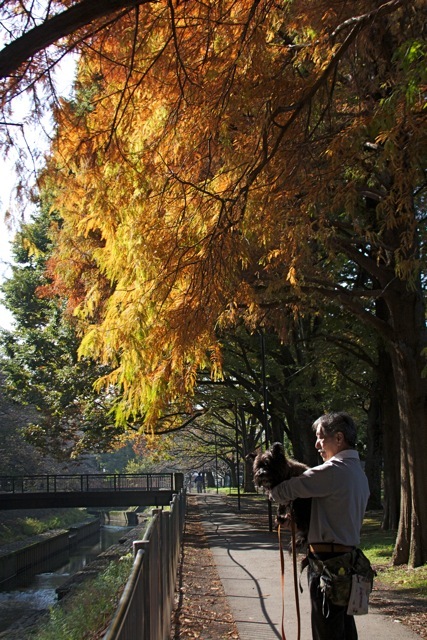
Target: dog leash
(282,569)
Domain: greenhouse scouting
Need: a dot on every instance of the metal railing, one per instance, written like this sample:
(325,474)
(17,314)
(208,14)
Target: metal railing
(145,607)
(87,482)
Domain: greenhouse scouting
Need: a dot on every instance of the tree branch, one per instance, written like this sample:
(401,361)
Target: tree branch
(357,26)
(63,24)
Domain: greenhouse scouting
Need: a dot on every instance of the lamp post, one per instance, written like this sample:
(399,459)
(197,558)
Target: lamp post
(264,391)
(265,416)
(216,461)
(236,423)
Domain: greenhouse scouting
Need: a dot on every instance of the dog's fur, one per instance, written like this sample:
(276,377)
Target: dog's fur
(270,469)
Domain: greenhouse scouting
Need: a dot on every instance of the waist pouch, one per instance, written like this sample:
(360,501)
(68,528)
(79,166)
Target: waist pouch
(345,580)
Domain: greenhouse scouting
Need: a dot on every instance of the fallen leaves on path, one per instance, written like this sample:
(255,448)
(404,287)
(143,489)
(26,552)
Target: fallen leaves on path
(201,609)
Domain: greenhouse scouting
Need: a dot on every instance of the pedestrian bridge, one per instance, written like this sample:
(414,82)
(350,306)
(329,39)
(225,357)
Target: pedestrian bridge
(89,490)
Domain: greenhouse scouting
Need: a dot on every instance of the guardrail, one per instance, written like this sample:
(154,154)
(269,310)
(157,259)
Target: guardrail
(86,482)
(146,604)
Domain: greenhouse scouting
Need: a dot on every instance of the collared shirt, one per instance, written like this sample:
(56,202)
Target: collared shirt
(339,491)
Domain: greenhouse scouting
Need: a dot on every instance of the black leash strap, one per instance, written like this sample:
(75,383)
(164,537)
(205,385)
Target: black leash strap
(282,580)
(282,569)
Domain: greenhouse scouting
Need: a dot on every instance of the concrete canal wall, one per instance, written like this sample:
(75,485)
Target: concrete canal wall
(103,559)
(78,533)
(122,518)
(45,552)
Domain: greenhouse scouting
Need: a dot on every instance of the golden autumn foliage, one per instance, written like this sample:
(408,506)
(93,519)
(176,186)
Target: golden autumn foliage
(235,160)
(214,154)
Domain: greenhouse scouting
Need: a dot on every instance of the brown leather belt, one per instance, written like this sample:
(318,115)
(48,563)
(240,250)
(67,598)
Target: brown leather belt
(329,547)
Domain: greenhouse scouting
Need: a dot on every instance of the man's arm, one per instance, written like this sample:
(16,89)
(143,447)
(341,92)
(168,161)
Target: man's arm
(313,483)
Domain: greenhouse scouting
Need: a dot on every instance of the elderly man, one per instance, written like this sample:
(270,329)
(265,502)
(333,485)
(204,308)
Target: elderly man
(339,491)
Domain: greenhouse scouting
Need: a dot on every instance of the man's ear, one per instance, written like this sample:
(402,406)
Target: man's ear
(339,437)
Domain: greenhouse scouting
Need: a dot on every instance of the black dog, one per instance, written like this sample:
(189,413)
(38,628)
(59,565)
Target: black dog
(270,469)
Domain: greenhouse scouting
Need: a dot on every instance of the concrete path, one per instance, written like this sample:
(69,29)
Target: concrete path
(248,562)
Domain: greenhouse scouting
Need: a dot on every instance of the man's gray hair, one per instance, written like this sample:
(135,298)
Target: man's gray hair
(334,422)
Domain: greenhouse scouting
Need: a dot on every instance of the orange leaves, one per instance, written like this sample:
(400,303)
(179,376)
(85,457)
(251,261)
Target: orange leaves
(210,151)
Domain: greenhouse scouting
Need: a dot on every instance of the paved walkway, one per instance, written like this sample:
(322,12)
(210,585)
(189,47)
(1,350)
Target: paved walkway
(248,563)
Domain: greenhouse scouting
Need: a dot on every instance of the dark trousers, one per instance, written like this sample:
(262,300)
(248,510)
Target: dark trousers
(328,621)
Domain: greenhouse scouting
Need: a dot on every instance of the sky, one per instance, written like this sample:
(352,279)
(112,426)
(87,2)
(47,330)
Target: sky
(64,80)
(6,236)
(10,219)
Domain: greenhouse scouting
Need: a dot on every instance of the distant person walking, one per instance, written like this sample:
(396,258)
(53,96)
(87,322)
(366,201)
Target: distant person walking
(199,483)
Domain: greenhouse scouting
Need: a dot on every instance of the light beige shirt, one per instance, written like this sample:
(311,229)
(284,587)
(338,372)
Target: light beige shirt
(339,491)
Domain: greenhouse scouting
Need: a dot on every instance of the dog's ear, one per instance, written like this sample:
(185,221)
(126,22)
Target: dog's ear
(277,450)
(250,457)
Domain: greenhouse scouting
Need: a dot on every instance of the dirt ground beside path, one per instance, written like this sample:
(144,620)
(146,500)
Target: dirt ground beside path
(201,609)
(401,607)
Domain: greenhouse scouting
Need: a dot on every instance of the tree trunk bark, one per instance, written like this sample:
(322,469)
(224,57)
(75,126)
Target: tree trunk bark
(407,315)
(248,477)
(62,24)
(391,441)
(302,436)
(374,451)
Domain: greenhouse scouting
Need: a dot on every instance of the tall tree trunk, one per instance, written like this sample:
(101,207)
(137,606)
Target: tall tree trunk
(248,445)
(248,476)
(276,426)
(374,451)
(390,425)
(407,313)
(302,436)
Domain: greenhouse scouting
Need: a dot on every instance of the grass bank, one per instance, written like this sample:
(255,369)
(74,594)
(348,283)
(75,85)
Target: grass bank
(18,525)
(378,546)
(86,613)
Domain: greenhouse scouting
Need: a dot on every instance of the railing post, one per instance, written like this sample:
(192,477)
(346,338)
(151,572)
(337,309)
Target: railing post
(168,569)
(148,596)
(178,482)
(160,549)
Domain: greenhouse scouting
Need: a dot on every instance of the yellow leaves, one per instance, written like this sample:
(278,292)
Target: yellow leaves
(216,361)
(190,189)
(30,247)
(292,276)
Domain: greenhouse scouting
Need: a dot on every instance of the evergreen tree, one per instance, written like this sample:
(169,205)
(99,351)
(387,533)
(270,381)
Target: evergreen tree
(40,362)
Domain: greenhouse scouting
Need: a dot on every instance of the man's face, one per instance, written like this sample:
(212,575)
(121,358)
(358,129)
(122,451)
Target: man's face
(328,445)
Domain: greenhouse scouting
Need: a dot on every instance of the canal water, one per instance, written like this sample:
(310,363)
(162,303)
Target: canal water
(31,596)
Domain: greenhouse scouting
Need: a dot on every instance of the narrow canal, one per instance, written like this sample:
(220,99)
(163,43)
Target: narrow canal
(31,596)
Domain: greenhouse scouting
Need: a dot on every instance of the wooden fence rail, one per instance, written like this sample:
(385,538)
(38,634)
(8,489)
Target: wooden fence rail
(146,604)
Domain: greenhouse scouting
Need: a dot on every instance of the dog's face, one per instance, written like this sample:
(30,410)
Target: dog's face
(270,468)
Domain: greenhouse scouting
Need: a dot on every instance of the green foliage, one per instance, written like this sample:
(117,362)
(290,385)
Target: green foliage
(376,542)
(411,57)
(405,578)
(22,527)
(40,359)
(378,546)
(89,608)
(116,461)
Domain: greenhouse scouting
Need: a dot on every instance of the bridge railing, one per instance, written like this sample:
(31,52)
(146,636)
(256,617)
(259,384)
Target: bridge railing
(145,607)
(87,482)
